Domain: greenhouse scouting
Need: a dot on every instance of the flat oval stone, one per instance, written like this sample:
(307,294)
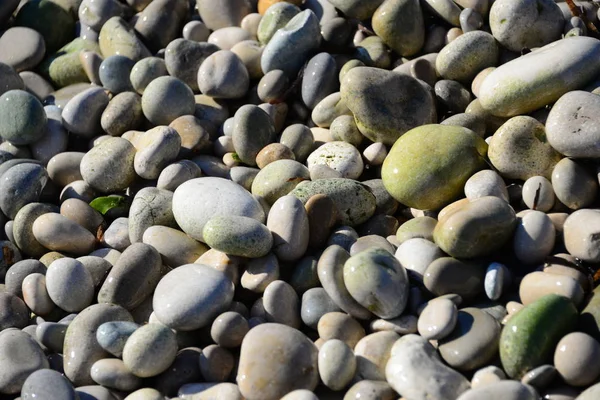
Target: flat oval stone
(573,185)
(474,341)
(337,364)
(291,45)
(145,71)
(156,149)
(190,296)
(113,373)
(160,22)
(384,123)
(570,126)
(465,57)
(150,350)
(339,325)
(502,390)
(21,356)
(227,13)
(281,304)
(108,167)
(538,284)
(278,179)
(22,117)
(288,222)
(223,75)
(229,329)
(139,263)
(331,275)
(486,183)
(354,202)
(123,113)
(539,78)
(35,294)
(112,336)
(462,155)
(293,367)
(218,196)
(22,48)
(430,379)
(64,167)
(319,79)
(438,319)
(57,232)
(47,383)
(175,247)
(377,281)
(530,336)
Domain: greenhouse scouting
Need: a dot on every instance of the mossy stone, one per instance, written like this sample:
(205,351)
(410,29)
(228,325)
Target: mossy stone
(64,68)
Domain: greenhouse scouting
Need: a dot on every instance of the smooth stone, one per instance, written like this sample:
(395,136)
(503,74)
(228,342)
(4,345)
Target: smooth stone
(23,117)
(238,235)
(229,329)
(466,56)
(331,274)
(69,68)
(113,373)
(196,31)
(53,142)
(338,325)
(95,392)
(470,121)
(20,186)
(291,45)
(223,75)
(81,349)
(94,14)
(319,79)
(53,22)
(278,179)
(64,168)
(21,48)
(272,85)
(22,228)
(183,58)
(253,129)
(57,232)
(165,99)
(108,167)
(370,390)
(419,227)
(337,364)
(286,357)
(496,277)
(573,359)
(354,202)
(487,376)
(505,390)
(69,284)
(228,13)
(400,24)
(123,113)
(78,189)
(173,175)
(202,293)
(21,356)
(573,185)
(260,272)
(114,73)
(275,18)
(590,393)
(175,247)
(402,325)
(328,109)
(452,95)
(83,214)
(538,194)
(139,263)
(288,223)
(412,152)
(273,152)
(360,86)
(184,369)
(486,183)
(160,22)
(112,336)
(580,234)
(570,127)
(534,237)
(90,62)
(448,275)
(540,77)
(431,379)
(156,149)
(145,71)
(118,37)
(372,354)
(513,159)
(316,303)
(530,336)
(150,350)
(417,254)
(13,312)
(438,319)
(519,24)
(447,10)
(18,272)
(340,156)
(538,284)
(46,383)
(281,304)
(216,363)
(377,281)
(226,38)
(474,341)
(9,79)
(369,242)
(35,294)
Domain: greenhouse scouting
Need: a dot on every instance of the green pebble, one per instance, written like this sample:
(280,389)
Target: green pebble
(22,117)
(238,236)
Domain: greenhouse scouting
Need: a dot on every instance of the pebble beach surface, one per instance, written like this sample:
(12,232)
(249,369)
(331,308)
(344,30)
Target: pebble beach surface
(299,200)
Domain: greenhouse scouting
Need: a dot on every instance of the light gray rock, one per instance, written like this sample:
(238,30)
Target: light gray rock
(20,356)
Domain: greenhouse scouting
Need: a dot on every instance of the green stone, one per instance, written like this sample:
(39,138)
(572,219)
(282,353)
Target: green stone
(238,236)
(22,118)
(400,24)
(529,338)
(52,21)
(64,68)
(354,201)
(427,168)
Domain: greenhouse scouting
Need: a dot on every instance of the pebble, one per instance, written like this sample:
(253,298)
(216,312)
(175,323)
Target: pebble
(69,284)
(21,356)
(114,73)
(229,329)
(112,373)
(448,275)
(228,13)
(195,302)
(534,237)
(538,194)
(222,75)
(370,390)
(150,350)
(57,232)
(540,377)
(438,319)
(165,99)
(281,354)
(13,312)
(145,71)
(21,185)
(238,235)
(23,117)
(109,166)
(573,185)
(579,234)
(46,383)
(571,359)
(417,254)
(112,336)
(487,376)
(316,303)
(216,363)
(117,37)
(509,390)
(22,48)
(35,294)
(496,278)
(372,354)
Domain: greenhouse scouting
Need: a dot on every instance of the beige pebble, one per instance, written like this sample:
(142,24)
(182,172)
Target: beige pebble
(438,319)
(576,359)
(338,325)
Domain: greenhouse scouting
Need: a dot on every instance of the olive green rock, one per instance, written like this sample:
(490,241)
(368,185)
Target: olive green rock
(399,23)
(354,201)
(428,166)
(529,338)
(477,228)
(238,236)
(276,17)
(64,68)
(589,321)
(386,104)
(55,24)
(117,37)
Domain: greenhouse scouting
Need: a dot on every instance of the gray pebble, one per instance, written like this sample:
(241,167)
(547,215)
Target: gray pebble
(184,57)
(47,384)
(108,167)
(145,71)
(114,73)
(165,99)
(21,185)
(123,113)
(69,284)
(22,117)
(150,350)
(223,75)
(83,112)
(20,356)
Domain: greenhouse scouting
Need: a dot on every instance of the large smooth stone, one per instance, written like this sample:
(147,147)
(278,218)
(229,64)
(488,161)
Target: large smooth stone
(529,338)
(20,356)
(150,350)
(288,222)
(81,349)
(184,57)
(59,233)
(540,77)
(108,166)
(400,24)
(415,371)
(83,112)
(198,200)
(47,384)
(190,296)
(22,48)
(22,118)
(412,178)
(238,236)
(282,356)
(385,104)
(467,55)
(69,284)
(573,125)
(53,22)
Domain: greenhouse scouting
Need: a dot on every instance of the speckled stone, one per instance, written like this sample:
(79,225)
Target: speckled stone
(123,113)
(150,350)
(384,122)
(20,185)
(278,178)
(293,368)
(275,18)
(108,167)
(290,46)
(539,78)
(202,294)
(118,37)
(145,71)
(238,235)
(21,356)
(354,202)
(23,117)
(253,129)
(464,57)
